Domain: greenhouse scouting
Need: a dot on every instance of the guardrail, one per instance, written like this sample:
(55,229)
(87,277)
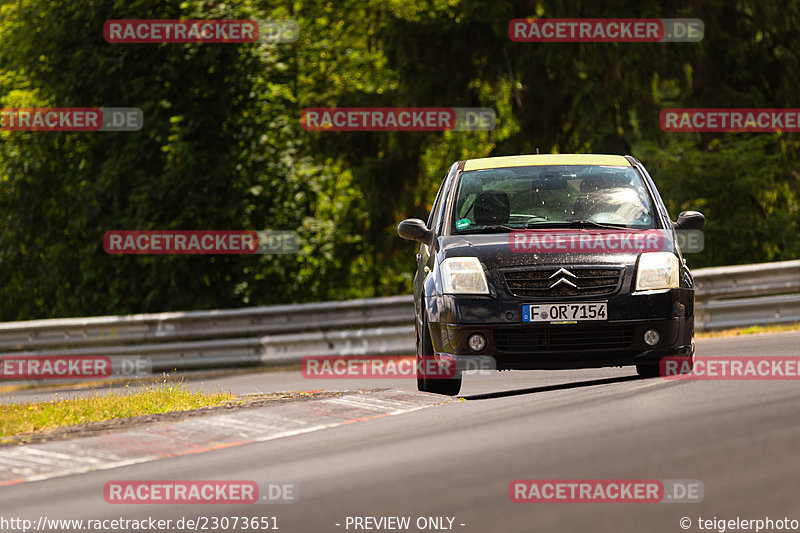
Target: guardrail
(726,297)
(199,339)
(747,295)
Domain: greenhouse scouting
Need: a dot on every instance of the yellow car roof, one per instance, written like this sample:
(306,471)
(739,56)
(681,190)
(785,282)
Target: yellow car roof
(545,159)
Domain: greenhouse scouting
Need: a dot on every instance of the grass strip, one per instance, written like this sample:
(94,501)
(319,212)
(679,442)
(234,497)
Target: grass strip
(163,397)
(189,375)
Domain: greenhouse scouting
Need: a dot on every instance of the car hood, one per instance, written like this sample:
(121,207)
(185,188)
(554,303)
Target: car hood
(498,250)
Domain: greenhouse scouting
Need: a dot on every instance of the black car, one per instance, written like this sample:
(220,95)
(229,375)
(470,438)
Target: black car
(549,262)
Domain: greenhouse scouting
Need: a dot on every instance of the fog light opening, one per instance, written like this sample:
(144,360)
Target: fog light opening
(476,342)
(652,337)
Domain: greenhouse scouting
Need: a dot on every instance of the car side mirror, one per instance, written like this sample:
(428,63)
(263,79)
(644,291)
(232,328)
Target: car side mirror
(414,229)
(690,220)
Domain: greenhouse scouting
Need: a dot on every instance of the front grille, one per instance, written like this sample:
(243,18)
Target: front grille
(564,338)
(557,282)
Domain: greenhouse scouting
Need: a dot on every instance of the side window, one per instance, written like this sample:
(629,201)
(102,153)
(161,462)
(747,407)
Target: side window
(444,194)
(436,203)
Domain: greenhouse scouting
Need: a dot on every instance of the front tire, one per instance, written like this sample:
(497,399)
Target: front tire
(446,386)
(648,371)
(654,370)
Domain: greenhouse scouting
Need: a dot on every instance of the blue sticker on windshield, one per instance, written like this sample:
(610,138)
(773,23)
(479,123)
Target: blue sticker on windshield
(463,223)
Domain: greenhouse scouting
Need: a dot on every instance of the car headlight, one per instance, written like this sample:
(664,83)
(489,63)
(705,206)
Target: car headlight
(463,275)
(657,270)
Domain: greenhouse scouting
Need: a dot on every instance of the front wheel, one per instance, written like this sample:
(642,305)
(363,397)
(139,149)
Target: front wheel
(648,371)
(447,386)
(654,370)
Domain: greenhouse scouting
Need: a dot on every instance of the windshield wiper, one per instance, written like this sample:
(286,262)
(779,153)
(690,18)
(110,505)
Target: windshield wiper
(576,224)
(493,228)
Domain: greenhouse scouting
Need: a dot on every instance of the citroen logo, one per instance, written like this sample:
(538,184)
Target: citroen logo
(563,279)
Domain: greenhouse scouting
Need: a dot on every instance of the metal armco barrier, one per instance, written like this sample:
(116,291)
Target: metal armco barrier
(726,297)
(747,295)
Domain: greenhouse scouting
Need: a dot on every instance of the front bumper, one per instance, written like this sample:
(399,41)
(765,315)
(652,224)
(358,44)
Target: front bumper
(511,344)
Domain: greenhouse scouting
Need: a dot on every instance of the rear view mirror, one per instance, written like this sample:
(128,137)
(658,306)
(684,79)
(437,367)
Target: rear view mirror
(414,229)
(690,220)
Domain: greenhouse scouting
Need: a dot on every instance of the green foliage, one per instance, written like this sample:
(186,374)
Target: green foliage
(222,146)
(746,187)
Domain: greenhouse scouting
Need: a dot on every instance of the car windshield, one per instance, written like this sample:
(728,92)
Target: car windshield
(564,196)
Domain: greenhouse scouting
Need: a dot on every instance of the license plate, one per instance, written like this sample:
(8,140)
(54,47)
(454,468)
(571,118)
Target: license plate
(564,312)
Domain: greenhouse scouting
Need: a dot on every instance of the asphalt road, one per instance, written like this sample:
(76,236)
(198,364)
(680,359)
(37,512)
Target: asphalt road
(739,438)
